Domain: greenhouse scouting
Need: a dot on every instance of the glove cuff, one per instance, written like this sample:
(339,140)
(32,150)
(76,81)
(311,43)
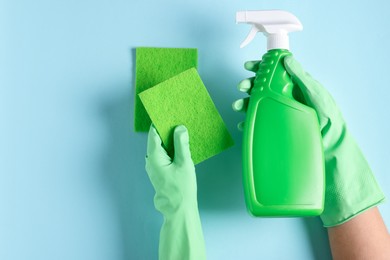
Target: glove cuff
(332,222)
(351,187)
(181,236)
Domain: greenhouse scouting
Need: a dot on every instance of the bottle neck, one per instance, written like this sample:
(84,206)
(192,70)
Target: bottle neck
(278,41)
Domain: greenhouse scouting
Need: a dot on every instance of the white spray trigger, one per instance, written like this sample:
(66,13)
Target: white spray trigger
(250,37)
(275,24)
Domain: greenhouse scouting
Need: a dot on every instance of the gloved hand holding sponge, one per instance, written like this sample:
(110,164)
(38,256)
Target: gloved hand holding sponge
(174,181)
(175,99)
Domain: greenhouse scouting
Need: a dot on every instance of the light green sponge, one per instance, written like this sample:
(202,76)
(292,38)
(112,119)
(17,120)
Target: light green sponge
(153,66)
(184,100)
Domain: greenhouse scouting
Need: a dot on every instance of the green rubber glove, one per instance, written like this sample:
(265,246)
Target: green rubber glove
(174,181)
(351,187)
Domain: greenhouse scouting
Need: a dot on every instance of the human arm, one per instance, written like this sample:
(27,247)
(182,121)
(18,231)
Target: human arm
(363,237)
(174,181)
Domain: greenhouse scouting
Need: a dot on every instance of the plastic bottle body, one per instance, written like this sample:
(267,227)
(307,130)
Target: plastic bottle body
(283,161)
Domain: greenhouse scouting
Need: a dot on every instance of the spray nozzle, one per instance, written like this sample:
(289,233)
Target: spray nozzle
(275,24)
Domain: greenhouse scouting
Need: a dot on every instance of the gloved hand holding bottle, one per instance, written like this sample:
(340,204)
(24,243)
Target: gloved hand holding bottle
(351,188)
(174,181)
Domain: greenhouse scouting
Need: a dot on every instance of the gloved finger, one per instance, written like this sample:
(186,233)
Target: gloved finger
(154,150)
(252,65)
(182,145)
(240,105)
(246,85)
(241,126)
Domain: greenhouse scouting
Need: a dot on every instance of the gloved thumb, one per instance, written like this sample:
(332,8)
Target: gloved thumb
(309,87)
(314,94)
(182,145)
(155,152)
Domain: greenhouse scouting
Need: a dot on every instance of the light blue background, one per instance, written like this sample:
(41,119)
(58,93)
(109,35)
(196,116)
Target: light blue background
(72,178)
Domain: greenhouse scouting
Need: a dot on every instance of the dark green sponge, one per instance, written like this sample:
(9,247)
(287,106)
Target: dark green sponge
(184,100)
(153,66)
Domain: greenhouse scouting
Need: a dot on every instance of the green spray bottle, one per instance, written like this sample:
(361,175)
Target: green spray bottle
(283,161)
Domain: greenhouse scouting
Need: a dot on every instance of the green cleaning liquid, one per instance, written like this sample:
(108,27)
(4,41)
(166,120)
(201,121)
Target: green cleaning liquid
(283,161)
